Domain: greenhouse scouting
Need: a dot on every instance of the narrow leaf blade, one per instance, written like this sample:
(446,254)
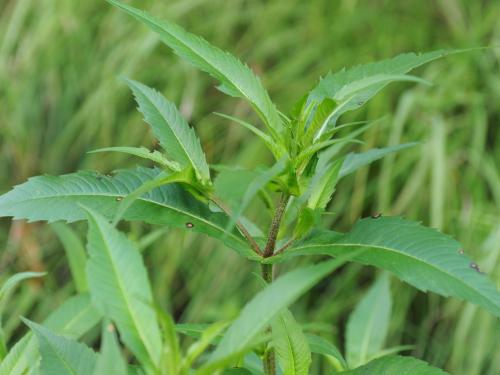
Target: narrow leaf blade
(368,324)
(259,312)
(120,289)
(54,198)
(291,345)
(237,79)
(176,137)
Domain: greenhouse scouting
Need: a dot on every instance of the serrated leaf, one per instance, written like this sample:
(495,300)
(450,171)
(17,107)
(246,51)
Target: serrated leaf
(321,346)
(120,289)
(73,318)
(396,365)
(237,79)
(259,312)
(175,135)
(110,360)
(59,198)
(354,161)
(368,324)
(61,355)
(423,257)
(75,252)
(291,345)
(357,85)
(141,152)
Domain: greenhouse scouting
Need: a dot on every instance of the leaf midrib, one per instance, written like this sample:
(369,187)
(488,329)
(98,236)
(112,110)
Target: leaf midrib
(187,154)
(253,103)
(430,265)
(187,213)
(65,363)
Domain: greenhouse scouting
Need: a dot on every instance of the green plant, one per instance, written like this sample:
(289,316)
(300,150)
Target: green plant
(307,146)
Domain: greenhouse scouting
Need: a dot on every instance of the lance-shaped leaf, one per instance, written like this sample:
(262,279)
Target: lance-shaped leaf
(291,345)
(60,198)
(61,355)
(14,280)
(396,365)
(120,289)
(110,360)
(357,85)
(322,346)
(73,318)
(423,257)
(237,79)
(171,129)
(260,311)
(368,324)
(75,252)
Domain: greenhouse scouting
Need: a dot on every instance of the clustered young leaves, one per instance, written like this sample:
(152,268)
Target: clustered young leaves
(180,191)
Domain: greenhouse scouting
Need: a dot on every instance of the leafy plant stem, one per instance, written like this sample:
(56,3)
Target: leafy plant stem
(269,359)
(268,271)
(275,225)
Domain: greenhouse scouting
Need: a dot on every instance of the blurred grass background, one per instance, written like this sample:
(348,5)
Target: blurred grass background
(60,97)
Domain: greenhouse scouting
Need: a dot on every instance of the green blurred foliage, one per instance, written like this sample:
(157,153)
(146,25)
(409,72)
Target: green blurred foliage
(60,97)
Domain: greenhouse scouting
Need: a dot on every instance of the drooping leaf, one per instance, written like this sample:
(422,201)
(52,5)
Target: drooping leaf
(368,324)
(423,257)
(75,252)
(60,198)
(357,85)
(259,312)
(60,355)
(291,345)
(144,153)
(120,289)
(14,280)
(110,360)
(354,161)
(173,132)
(237,79)
(395,365)
(321,346)
(73,318)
